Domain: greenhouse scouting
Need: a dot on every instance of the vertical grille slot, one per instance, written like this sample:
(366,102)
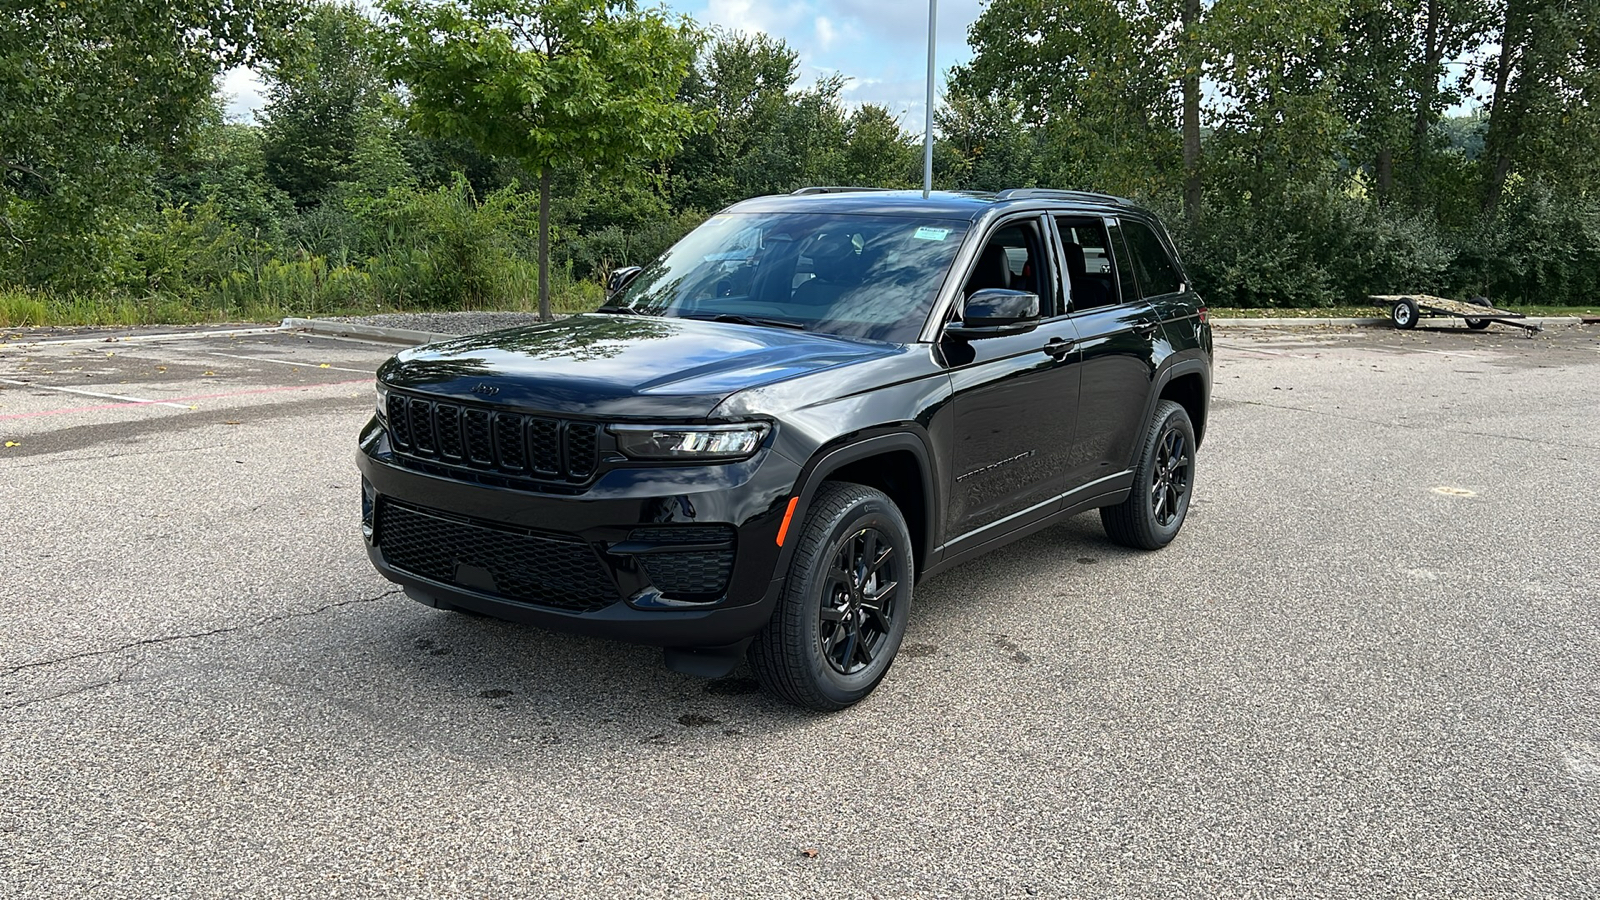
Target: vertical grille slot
(447,419)
(544,445)
(583,442)
(422,426)
(399,422)
(480,444)
(509,446)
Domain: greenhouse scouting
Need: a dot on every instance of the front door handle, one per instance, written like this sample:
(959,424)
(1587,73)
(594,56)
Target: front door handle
(1059,347)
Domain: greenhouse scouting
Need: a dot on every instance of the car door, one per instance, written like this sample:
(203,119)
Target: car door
(1114,355)
(1014,397)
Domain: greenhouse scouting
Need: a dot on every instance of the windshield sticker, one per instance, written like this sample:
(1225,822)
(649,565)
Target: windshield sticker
(931,234)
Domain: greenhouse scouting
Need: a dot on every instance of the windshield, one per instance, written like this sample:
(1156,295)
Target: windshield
(856,276)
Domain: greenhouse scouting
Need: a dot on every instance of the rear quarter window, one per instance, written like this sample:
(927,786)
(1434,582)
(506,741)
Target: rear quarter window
(1157,275)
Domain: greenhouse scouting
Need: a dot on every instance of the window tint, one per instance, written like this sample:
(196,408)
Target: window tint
(1130,289)
(1157,274)
(1085,253)
(1013,258)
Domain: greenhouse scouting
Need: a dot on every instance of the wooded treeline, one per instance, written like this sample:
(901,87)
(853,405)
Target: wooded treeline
(1303,154)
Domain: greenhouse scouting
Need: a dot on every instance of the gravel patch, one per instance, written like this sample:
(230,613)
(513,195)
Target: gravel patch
(446,322)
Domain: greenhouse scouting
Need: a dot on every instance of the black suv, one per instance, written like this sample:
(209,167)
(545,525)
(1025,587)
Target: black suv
(810,403)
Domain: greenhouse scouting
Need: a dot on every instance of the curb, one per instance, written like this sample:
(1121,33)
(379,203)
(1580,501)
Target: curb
(1298,322)
(365,332)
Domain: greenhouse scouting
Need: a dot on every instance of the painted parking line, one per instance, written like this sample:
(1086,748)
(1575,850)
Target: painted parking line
(181,402)
(143,338)
(286,362)
(126,400)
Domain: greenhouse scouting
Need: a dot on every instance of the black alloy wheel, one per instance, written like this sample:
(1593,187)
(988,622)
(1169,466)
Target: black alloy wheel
(856,619)
(845,603)
(1163,481)
(1170,477)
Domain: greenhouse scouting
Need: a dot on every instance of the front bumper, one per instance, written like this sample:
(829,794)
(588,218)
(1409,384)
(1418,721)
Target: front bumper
(744,500)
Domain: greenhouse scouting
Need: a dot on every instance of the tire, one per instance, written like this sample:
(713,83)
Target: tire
(1404,314)
(1162,484)
(827,645)
(1478,324)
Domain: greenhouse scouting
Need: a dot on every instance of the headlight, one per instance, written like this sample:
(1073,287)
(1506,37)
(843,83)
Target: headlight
(689,441)
(383,400)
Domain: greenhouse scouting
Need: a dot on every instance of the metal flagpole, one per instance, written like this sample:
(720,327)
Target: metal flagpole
(927,128)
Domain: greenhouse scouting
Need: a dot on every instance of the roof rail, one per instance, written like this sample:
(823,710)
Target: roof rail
(1048,194)
(836,189)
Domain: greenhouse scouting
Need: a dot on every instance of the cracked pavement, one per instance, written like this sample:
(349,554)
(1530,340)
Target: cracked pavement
(1368,667)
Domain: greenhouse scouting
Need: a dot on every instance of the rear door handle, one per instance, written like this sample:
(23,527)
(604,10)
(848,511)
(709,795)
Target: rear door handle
(1059,347)
(1145,328)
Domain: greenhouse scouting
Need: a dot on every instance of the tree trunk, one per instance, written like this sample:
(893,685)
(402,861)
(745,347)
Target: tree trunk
(1503,116)
(1427,89)
(1385,167)
(1191,112)
(544,244)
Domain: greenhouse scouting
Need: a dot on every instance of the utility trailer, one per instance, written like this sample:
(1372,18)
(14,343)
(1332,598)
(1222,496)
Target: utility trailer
(1406,309)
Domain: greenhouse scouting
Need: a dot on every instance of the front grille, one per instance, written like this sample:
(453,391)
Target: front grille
(485,440)
(543,570)
(693,574)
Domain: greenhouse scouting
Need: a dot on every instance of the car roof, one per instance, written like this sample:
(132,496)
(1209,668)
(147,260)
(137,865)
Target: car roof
(968,205)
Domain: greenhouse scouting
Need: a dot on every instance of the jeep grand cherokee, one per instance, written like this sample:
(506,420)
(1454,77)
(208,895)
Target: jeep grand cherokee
(769,435)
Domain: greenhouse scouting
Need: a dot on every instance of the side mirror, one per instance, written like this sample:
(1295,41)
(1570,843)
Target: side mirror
(619,279)
(994,312)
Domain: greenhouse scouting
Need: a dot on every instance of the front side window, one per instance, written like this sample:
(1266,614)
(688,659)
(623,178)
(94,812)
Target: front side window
(871,277)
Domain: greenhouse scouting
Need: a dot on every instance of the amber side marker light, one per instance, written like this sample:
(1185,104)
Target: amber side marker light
(788,514)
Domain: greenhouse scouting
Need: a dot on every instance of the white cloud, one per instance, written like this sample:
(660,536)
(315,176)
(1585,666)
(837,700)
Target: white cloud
(243,95)
(825,33)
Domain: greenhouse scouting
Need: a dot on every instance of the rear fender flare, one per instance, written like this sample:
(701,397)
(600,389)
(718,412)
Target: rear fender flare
(1180,366)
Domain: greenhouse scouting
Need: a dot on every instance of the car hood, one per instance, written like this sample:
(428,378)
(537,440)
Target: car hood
(620,365)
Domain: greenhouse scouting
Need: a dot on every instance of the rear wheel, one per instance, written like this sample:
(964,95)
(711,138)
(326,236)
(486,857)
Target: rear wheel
(1159,502)
(1478,324)
(845,604)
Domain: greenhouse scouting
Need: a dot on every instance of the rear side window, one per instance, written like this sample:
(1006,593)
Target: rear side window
(1157,274)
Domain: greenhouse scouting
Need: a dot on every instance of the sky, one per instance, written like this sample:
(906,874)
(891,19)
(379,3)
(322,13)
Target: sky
(880,46)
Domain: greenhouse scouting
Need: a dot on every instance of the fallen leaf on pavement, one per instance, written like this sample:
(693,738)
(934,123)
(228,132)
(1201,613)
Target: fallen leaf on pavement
(13,444)
(809,853)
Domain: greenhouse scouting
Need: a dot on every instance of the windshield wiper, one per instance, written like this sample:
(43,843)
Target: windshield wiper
(608,308)
(741,319)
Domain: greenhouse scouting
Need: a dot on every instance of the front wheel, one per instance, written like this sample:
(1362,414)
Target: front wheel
(1405,313)
(1159,501)
(845,604)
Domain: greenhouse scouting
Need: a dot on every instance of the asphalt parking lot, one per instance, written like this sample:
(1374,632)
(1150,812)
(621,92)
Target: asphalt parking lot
(1369,667)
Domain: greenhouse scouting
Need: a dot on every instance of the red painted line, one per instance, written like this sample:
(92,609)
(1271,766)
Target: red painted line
(104,406)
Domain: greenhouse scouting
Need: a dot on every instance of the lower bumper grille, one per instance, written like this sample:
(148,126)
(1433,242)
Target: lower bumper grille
(542,570)
(700,574)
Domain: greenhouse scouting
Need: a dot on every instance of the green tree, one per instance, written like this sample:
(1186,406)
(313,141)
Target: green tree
(547,82)
(319,97)
(1098,78)
(1544,118)
(766,136)
(92,94)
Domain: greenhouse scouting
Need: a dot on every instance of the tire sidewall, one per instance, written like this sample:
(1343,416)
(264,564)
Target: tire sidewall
(1175,417)
(806,589)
